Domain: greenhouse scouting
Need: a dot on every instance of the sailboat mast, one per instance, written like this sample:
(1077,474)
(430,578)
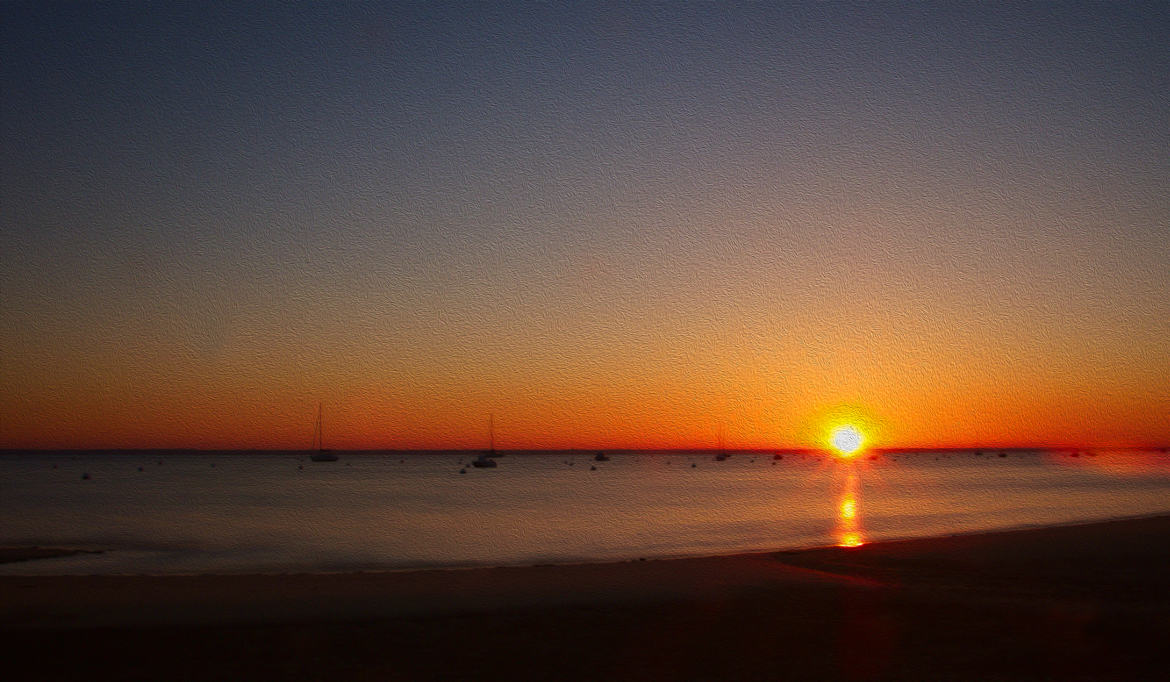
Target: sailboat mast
(320,454)
(492,432)
(319,431)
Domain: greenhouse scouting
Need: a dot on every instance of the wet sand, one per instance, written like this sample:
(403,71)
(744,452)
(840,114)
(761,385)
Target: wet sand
(1077,602)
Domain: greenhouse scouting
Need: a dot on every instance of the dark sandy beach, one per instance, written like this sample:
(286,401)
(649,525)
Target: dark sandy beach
(1078,602)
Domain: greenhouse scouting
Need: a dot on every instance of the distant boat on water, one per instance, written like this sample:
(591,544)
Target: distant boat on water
(722,456)
(601,457)
(486,459)
(320,454)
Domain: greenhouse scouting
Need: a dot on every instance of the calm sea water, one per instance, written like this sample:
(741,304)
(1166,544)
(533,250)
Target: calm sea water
(256,512)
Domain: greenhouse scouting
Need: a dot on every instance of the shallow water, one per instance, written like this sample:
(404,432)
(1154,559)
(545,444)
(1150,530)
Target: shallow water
(264,512)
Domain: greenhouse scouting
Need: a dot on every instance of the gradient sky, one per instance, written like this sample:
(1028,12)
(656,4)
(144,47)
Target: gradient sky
(610,227)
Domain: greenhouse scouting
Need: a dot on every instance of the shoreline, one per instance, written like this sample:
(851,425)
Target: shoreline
(22,553)
(11,554)
(1084,601)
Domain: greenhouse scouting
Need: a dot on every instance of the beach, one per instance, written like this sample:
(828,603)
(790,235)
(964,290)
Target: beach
(1073,602)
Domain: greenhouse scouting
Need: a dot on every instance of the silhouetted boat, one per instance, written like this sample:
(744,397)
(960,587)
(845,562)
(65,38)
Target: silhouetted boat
(601,457)
(722,456)
(485,459)
(320,454)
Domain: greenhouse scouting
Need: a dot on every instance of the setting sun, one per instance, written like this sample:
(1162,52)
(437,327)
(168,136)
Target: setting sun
(846,440)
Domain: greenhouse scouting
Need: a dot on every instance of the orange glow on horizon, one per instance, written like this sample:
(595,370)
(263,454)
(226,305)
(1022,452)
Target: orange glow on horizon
(244,407)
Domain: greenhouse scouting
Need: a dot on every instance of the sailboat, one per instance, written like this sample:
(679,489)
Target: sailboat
(485,459)
(722,456)
(320,454)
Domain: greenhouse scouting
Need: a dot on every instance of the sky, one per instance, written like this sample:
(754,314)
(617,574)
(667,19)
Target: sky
(608,225)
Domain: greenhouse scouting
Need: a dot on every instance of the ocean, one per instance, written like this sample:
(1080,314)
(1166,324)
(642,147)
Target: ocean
(165,512)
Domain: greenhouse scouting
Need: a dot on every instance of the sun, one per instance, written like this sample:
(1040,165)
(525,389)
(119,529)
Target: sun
(846,440)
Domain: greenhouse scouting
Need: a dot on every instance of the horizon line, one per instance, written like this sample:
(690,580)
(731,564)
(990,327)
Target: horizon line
(789,449)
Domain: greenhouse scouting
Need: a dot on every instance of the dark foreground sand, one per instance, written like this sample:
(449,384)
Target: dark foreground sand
(1084,602)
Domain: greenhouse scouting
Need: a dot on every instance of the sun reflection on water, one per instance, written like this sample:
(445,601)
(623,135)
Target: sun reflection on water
(850,540)
(848,522)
